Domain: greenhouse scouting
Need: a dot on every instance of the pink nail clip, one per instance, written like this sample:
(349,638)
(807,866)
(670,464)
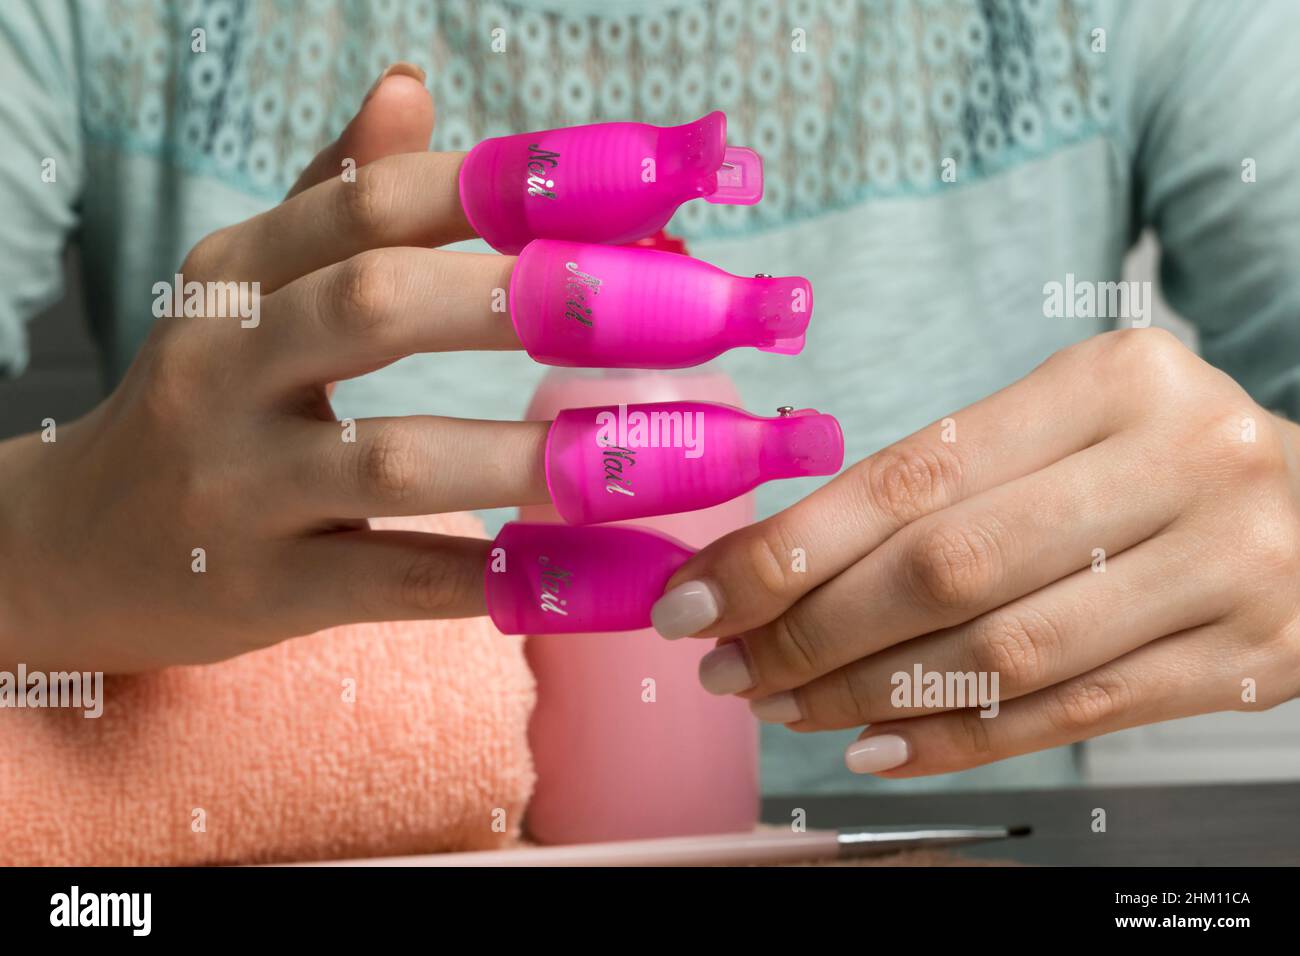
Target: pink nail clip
(554,579)
(599,306)
(617,462)
(608,182)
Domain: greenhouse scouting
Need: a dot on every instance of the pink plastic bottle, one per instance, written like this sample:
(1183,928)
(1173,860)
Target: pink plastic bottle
(612,764)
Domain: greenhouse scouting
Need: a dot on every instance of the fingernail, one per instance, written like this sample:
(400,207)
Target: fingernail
(400,68)
(875,754)
(780,708)
(725,669)
(684,610)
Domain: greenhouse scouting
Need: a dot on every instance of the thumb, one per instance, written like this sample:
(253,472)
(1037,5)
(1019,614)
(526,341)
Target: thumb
(396,116)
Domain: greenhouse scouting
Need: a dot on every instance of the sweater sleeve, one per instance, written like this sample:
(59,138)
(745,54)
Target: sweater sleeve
(1215,139)
(41,163)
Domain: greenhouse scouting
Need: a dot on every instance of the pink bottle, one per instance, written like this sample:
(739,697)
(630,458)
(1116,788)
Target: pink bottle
(607,182)
(611,764)
(595,306)
(617,462)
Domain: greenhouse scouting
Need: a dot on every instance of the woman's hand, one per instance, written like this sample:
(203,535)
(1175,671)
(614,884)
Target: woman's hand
(212,504)
(1116,537)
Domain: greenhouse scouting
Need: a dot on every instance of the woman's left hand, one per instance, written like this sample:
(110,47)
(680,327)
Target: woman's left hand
(1116,537)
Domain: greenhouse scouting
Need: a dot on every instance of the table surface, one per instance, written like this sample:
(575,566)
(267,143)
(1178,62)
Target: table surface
(1240,824)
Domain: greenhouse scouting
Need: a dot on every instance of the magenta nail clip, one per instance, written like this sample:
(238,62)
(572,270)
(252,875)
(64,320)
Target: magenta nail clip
(608,182)
(554,579)
(618,462)
(600,306)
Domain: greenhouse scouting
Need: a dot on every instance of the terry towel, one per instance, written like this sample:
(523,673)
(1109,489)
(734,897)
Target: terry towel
(368,740)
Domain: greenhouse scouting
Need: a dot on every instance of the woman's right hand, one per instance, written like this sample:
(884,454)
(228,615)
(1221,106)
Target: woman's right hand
(213,504)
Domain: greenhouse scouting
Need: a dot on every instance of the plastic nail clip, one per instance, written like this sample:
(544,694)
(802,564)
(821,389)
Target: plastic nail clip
(595,306)
(557,579)
(618,462)
(607,182)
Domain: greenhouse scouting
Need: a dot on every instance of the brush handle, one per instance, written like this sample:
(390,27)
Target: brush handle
(722,849)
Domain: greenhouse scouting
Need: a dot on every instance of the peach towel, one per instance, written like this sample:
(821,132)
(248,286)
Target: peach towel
(431,755)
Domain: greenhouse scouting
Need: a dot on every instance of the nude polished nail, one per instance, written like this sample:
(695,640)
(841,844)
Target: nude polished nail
(684,610)
(780,708)
(876,754)
(725,669)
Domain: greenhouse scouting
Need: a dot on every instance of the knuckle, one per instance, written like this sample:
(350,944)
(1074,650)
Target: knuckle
(1285,645)
(1274,550)
(764,561)
(205,257)
(1018,647)
(1263,458)
(907,481)
(952,568)
(366,294)
(973,733)
(389,466)
(1082,352)
(430,584)
(1149,353)
(794,649)
(363,201)
(856,698)
(1082,707)
(169,385)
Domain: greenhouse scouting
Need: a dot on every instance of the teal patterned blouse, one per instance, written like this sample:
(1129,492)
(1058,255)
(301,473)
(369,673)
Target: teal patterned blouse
(930,165)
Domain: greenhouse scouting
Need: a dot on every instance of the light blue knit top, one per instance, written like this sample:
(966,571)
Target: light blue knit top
(931,165)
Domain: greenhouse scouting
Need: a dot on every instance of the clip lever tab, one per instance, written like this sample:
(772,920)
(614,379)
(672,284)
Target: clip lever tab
(740,178)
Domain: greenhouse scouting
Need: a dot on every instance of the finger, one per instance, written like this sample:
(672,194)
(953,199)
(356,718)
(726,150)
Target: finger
(349,577)
(359,315)
(954,565)
(750,576)
(416,465)
(1180,676)
(396,116)
(1080,623)
(411,199)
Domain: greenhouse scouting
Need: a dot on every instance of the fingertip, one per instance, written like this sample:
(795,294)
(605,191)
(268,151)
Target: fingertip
(400,68)
(397,116)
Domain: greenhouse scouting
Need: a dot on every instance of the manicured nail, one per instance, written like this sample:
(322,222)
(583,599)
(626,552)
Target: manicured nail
(400,68)
(780,708)
(684,610)
(725,669)
(875,754)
